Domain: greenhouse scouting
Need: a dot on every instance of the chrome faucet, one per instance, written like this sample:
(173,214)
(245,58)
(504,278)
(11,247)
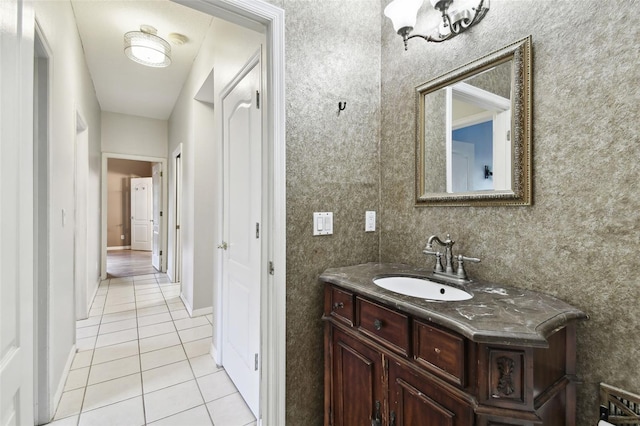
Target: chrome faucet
(447,272)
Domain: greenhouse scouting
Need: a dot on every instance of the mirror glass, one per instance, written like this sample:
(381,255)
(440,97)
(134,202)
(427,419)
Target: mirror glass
(473,132)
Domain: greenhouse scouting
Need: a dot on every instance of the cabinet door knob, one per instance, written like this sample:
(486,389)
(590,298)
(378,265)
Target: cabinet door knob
(437,350)
(377,324)
(338,305)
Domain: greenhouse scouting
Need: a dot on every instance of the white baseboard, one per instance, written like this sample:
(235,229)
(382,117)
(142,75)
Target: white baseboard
(214,354)
(202,311)
(119,248)
(63,379)
(186,304)
(195,312)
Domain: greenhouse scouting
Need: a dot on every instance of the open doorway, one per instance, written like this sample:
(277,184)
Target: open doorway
(133,191)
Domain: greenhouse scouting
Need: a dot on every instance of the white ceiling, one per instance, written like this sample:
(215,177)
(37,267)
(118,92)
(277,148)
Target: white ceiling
(122,85)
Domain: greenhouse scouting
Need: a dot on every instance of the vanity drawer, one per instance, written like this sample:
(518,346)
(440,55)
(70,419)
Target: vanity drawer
(388,327)
(341,304)
(440,351)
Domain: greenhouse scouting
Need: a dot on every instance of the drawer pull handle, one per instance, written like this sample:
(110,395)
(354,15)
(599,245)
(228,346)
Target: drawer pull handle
(338,305)
(377,324)
(437,350)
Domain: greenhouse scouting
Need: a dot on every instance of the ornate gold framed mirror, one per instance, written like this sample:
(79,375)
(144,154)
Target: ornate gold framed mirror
(473,144)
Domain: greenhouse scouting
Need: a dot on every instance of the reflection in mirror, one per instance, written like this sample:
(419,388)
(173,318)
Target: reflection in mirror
(466,152)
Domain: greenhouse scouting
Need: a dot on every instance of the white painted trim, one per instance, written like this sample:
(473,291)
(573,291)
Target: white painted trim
(202,311)
(214,354)
(187,305)
(171,218)
(42,287)
(103,182)
(63,379)
(273,322)
(115,248)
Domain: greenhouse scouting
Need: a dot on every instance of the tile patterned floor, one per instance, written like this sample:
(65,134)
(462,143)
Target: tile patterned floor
(142,360)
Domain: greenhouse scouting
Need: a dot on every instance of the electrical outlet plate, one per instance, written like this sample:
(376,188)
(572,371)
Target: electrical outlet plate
(370,221)
(322,223)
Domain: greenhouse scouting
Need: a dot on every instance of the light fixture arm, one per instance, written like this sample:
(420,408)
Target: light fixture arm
(456,22)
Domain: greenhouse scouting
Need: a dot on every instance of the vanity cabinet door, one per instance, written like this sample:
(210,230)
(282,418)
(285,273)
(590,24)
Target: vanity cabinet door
(414,399)
(356,391)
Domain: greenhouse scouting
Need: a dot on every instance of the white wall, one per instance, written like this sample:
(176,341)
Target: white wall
(226,48)
(130,134)
(71,90)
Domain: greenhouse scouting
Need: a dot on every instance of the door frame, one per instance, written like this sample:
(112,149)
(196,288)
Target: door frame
(174,268)
(43,402)
(261,16)
(103,211)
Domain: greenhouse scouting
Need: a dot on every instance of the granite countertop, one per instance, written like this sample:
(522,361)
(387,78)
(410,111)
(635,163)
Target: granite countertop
(495,314)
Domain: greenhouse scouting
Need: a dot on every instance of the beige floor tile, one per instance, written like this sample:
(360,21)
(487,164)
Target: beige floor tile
(197,347)
(156,329)
(76,379)
(120,316)
(165,376)
(117,337)
(179,314)
(67,421)
(88,322)
(82,359)
(215,386)
(172,400)
(113,391)
(86,344)
(185,323)
(198,416)
(159,342)
(203,365)
(114,369)
(85,332)
(162,357)
(112,309)
(154,319)
(129,412)
(146,289)
(113,352)
(70,404)
(230,410)
(196,333)
(159,309)
(112,327)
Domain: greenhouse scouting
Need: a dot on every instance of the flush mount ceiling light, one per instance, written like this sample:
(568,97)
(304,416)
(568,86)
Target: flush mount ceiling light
(404,13)
(146,48)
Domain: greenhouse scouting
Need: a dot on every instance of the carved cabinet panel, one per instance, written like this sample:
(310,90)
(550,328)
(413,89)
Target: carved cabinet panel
(385,367)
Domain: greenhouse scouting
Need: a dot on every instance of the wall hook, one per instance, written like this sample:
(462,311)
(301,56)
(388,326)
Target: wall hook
(341,106)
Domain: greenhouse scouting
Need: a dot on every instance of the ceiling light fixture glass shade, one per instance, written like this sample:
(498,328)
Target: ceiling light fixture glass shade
(146,48)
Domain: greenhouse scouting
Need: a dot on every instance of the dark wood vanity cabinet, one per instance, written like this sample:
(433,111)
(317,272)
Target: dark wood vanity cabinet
(384,367)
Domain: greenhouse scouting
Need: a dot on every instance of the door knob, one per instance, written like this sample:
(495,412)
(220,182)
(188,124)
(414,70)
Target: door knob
(223,246)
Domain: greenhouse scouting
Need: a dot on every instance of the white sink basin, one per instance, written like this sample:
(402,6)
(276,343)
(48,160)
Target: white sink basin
(422,288)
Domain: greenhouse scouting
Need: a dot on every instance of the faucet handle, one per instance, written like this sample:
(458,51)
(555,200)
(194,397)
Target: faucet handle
(461,259)
(438,256)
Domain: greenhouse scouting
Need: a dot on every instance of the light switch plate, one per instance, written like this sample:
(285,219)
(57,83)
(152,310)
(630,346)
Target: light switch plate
(370,221)
(322,223)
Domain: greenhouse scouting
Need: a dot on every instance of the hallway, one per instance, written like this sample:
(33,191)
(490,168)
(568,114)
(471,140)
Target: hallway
(142,360)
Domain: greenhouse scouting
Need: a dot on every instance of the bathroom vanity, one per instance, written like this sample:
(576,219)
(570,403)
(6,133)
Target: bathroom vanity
(506,356)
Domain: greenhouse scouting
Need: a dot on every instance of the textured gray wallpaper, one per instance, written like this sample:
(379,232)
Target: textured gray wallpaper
(580,241)
(333,55)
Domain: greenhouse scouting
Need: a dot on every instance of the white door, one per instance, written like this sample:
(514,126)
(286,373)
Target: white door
(141,213)
(156,178)
(16,213)
(463,159)
(177,274)
(502,151)
(242,146)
